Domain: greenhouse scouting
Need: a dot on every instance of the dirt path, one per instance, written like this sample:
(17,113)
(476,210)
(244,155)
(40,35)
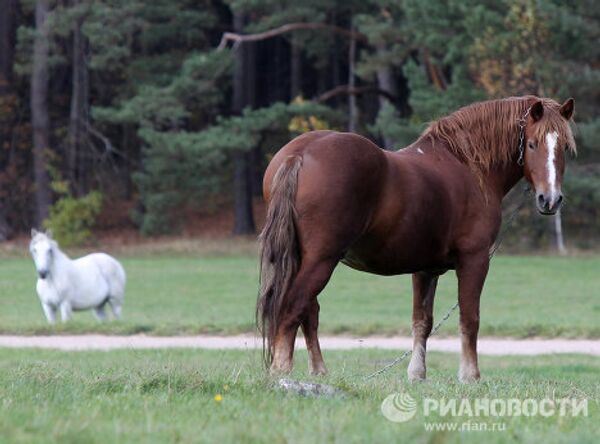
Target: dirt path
(486,346)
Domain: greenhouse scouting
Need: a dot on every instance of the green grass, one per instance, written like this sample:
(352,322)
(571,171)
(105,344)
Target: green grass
(524,296)
(167,396)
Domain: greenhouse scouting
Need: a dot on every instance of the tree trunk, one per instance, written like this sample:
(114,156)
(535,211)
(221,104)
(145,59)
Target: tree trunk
(254,157)
(336,72)
(249,78)
(243,215)
(352,103)
(79,116)
(560,242)
(295,71)
(242,92)
(7,45)
(385,81)
(39,112)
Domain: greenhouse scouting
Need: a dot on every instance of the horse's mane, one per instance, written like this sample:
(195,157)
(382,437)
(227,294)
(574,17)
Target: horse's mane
(486,134)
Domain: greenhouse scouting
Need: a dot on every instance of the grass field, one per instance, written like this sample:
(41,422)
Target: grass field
(168,396)
(183,293)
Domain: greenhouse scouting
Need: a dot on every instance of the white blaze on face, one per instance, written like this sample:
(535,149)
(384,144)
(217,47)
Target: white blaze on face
(551,139)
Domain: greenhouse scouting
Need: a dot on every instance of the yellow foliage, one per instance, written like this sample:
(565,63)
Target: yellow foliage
(303,124)
(502,63)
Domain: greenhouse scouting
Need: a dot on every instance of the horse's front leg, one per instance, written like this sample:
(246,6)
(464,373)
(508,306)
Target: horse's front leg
(424,286)
(471,272)
(65,311)
(100,312)
(50,313)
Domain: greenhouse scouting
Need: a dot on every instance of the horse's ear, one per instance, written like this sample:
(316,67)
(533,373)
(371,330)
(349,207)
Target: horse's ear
(567,108)
(537,111)
(49,233)
(34,232)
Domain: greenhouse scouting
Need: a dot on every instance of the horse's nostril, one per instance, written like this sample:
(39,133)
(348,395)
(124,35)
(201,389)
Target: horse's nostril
(541,200)
(559,200)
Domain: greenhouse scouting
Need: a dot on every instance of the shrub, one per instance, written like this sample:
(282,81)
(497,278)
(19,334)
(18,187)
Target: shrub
(71,218)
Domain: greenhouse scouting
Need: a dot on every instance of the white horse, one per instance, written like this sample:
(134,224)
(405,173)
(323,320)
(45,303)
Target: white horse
(73,285)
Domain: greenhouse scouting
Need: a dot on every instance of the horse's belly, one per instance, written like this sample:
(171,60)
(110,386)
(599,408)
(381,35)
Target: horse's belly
(389,259)
(89,294)
(395,267)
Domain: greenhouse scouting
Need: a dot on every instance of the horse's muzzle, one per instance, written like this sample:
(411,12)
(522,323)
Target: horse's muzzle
(43,274)
(548,205)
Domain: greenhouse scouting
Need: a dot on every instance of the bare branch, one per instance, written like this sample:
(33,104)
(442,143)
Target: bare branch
(284,29)
(347,90)
(108,146)
(435,73)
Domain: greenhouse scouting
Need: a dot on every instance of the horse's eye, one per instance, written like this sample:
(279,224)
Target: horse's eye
(530,145)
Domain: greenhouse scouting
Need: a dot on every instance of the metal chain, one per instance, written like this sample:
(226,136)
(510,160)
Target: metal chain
(409,351)
(499,239)
(522,124)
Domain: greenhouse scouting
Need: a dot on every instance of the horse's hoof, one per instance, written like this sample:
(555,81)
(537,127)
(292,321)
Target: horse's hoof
(319,371)
(416,378)
(278,370)
(416,371)
(472,378)
(416,375)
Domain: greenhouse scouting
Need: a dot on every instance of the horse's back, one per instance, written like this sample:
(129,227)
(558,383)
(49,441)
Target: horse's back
(343,156)
(341,176)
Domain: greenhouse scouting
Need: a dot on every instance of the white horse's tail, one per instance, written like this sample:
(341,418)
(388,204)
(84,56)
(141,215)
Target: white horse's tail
(118,284)
(113,272)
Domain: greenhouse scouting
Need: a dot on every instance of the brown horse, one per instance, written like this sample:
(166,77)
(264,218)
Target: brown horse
(425,209)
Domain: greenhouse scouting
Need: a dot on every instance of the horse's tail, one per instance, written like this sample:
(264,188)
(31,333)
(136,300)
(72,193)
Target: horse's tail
(114,274)
(279,252)
(120,281)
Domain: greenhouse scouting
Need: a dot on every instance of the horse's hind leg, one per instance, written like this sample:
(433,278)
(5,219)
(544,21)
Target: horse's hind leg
(116,307)
(100,312)
(300,310)
(424,286)
(310,325)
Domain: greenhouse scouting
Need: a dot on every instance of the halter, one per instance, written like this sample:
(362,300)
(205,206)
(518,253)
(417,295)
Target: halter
(522,124)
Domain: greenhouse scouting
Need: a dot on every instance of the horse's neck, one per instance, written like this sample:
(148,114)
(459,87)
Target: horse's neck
(502,180)
(61,261)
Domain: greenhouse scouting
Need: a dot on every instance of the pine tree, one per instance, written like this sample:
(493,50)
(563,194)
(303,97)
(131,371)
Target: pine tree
(139,100)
